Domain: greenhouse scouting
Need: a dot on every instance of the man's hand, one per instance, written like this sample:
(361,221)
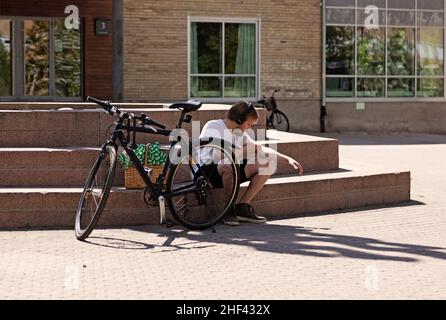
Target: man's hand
(297,166)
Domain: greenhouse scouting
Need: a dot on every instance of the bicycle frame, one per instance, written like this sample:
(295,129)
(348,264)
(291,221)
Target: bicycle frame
(156,189)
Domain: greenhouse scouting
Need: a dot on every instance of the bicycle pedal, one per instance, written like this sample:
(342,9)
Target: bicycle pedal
(168,224)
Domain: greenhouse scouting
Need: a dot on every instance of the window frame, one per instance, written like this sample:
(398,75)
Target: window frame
(386,76)
(223,21)
(12,46)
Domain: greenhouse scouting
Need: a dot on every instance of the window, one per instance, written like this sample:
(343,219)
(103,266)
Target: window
(371,51)
(340,53)
(5,58)
(223,60)
(384,48)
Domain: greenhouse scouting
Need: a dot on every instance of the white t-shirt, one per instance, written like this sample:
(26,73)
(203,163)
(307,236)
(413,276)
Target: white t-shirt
(218,129)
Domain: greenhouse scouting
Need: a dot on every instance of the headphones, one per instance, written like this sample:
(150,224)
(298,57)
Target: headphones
(242,118)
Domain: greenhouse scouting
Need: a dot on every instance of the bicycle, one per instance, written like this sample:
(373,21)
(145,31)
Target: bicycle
(193,198)
(276,119)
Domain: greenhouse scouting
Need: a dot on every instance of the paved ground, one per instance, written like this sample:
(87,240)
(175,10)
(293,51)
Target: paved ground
(381,253)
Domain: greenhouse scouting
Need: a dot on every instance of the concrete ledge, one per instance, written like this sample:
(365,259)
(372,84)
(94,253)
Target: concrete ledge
(418,116)
(88,127)
(29,106)
(387,117)
(69,167)
(79,106)
(314,153)
(281,197)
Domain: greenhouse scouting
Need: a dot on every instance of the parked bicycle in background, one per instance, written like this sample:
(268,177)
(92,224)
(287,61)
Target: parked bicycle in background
(276,119)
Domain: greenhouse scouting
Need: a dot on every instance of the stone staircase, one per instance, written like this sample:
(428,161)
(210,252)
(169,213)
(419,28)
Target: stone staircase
(45,156)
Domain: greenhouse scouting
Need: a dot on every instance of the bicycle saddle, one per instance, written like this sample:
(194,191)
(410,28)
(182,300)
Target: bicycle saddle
(189,106)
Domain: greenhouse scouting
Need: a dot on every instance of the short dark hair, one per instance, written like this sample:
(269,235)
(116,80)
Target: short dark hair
(241,111)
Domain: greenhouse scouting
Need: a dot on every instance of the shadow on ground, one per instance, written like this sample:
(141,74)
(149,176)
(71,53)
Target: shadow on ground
(275,238)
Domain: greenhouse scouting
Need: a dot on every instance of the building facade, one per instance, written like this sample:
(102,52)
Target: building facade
(375,65)
(224,51)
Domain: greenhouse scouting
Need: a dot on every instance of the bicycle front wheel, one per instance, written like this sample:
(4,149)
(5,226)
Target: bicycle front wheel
(95,192)
(279,121)
(203,186)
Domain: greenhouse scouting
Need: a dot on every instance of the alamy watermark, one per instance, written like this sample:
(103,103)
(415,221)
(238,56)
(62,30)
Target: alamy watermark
(72,20)
(372,278)
(71,278)
(372,17)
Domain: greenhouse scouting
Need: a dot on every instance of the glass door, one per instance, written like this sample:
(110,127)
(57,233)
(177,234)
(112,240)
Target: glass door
(47,60)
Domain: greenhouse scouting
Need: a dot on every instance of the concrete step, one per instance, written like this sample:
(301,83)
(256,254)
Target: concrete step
(46,167)
(287,196)
(316,154)
(45,105)
(88,127)
(69,167)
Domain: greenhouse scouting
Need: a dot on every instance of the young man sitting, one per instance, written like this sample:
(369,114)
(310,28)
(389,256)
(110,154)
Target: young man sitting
(241,117)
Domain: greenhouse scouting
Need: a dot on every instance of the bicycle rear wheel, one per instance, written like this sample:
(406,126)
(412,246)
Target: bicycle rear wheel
(279,121)
(95,192)
(197,195)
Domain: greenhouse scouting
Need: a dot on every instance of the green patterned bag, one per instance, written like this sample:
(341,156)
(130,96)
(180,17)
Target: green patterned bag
(155,156)
(125,160)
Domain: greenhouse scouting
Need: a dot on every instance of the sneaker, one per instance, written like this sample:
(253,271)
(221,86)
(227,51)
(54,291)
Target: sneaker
(245,212)
(230,218)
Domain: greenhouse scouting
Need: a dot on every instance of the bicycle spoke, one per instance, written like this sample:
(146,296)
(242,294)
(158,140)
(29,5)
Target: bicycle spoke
(92,190)
(91,209)
(94,199)
(182,206)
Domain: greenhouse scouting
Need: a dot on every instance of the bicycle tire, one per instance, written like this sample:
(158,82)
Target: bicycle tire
(279,121)
(218,215)
(107,152)
(269,125)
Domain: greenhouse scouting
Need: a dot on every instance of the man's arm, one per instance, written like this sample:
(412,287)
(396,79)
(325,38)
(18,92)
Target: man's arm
(267,153)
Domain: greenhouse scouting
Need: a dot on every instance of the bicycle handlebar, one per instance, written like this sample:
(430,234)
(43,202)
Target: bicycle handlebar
(113,110)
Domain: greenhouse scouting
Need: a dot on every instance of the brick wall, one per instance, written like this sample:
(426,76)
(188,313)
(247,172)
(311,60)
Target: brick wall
(155,45)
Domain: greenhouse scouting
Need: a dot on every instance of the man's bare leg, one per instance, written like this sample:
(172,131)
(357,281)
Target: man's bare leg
(258,178)
(226,173)
(256,184)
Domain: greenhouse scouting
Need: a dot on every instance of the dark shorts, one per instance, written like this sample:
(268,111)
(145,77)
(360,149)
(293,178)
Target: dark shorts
(211,171)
